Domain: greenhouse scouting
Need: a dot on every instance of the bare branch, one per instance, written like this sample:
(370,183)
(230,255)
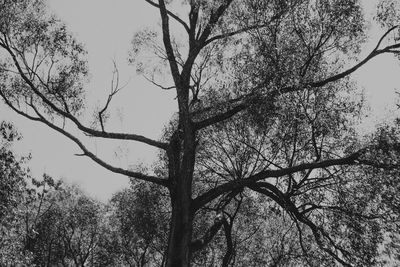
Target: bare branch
(178,19)
(384,36)
(87,130)
(159,85)
(114,90)
(86,152)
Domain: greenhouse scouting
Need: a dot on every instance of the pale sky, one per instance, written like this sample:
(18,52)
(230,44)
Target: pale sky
(106,28)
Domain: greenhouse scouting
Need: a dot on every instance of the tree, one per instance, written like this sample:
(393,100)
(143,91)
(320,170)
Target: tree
(66,226)
(265,107)
(43,222)
(12,171)
(138,226)
(13,182)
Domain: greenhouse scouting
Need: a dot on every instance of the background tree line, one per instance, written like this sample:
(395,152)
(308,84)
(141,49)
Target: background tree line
(45,222)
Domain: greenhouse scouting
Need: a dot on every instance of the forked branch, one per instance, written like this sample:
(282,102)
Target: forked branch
(172,15)
(114,90)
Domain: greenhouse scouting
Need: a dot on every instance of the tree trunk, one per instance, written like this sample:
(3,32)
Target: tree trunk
(180,232)
(181,167)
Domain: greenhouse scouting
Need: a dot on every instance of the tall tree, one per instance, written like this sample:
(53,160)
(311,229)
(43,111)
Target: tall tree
(264,107)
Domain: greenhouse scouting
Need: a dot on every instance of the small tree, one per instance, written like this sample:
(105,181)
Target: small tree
(264,108)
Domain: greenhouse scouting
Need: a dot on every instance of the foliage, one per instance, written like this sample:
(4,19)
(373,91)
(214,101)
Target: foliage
(261,163)
(55,65)
(65,228)
(138,218)
(13,182)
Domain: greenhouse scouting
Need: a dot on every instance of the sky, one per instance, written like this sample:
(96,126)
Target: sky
(106,28)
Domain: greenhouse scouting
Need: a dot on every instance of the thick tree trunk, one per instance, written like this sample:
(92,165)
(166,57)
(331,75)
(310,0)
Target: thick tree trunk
(180,232)
(181,167)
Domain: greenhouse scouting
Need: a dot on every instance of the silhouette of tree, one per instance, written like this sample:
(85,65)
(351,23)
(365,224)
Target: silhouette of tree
(265,108)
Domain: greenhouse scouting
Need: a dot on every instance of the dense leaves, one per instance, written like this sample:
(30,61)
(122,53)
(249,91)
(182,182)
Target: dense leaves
(13,182)
(43,53)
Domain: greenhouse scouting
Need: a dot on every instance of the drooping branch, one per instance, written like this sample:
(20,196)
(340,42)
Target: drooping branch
(297,216)
(320,233)
(92,156)
(86,152)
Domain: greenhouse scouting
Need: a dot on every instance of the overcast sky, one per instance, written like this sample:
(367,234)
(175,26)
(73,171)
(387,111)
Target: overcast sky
(106,28)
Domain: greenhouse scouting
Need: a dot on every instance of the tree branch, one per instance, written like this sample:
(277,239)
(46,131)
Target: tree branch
(214,17)
(167,42)
(231,112)
(202,242)
(86,152)
(220,117)
(375,52)
(114,90)
(158,85)
(317,231)
(230,34)
(205,198)
(178,19)
(229,243)
(92,132)
(245,29)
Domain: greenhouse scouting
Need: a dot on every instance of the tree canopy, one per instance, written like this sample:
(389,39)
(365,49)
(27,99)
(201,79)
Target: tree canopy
(264,132)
